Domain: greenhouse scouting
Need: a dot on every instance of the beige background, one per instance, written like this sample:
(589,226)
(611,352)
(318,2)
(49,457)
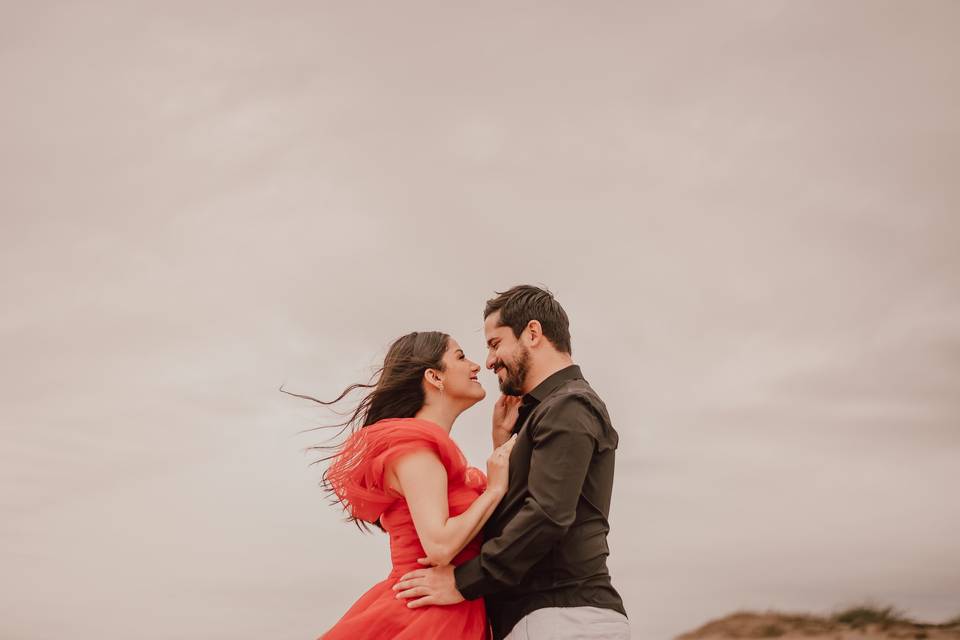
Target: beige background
(749,210)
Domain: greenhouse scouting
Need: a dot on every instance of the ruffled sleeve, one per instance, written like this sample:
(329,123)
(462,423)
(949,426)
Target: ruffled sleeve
(476,479)
(357,472)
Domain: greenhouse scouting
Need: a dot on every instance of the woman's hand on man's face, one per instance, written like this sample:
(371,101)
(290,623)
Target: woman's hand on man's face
(505,413)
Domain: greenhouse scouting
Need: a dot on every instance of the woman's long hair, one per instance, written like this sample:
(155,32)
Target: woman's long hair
(396,391)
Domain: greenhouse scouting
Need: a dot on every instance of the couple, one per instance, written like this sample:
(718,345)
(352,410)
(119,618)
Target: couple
(520,553)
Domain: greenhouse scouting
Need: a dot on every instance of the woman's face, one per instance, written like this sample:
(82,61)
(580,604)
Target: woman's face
(460,375)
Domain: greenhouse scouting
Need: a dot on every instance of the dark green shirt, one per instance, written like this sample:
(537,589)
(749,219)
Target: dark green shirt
(546,542)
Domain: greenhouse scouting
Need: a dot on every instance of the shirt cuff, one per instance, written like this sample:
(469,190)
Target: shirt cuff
(470,579)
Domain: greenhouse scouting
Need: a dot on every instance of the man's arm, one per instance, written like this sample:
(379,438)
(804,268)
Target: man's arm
(563,446)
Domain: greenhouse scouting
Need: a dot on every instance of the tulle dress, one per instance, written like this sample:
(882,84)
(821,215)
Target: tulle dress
(357,477)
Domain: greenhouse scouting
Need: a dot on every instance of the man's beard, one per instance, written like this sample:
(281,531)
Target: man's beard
(512,384)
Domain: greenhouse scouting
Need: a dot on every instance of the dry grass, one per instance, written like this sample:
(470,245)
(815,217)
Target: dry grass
(864,622)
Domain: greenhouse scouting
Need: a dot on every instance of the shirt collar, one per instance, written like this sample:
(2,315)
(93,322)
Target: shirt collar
(545,388)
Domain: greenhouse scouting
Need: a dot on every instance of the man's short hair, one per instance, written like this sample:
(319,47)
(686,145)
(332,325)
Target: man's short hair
(523,303)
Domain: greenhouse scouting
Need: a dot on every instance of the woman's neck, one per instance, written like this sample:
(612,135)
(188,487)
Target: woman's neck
(441,414)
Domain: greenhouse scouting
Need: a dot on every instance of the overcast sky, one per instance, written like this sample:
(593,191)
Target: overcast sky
(748,209)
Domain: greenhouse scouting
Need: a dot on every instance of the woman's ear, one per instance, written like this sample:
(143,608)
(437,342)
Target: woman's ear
(433,378)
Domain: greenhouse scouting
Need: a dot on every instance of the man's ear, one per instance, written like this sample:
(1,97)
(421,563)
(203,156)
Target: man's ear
(534,332)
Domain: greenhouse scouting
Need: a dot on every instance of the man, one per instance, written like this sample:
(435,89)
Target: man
(542,569)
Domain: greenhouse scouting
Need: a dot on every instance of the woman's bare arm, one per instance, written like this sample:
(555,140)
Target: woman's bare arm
(422,480)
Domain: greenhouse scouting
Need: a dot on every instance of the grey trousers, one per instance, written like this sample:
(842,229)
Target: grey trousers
(571,623)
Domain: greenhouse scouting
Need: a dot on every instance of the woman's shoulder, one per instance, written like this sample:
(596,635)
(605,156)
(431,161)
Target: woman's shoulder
(382,442)
(357,473)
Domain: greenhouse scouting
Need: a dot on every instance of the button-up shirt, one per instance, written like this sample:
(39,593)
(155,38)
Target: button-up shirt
(546,542)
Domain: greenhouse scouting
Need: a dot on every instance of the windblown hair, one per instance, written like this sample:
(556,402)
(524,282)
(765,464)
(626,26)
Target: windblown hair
(395,391)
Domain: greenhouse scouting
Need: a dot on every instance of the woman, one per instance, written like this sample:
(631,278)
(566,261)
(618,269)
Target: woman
(401,471)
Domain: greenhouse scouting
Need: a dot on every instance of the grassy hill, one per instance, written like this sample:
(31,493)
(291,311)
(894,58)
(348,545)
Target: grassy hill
(857,623)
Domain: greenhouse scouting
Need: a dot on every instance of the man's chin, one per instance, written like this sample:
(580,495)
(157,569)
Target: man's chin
(509,390)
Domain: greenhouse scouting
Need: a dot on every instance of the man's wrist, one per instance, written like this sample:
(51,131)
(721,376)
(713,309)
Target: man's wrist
(468,579)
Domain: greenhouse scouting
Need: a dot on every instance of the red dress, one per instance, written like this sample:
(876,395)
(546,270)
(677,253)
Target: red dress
(357,478)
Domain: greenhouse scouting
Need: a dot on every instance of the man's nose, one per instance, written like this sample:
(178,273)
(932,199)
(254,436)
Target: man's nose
(490,362)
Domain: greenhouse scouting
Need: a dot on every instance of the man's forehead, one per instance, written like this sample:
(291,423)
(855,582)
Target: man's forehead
(491,322)
(491,331)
